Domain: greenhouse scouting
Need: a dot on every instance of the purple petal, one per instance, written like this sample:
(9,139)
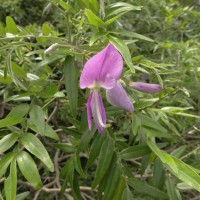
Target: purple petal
(117,97)
(103,68)
(102,109)
(98,111)
(146,87)
(88,111)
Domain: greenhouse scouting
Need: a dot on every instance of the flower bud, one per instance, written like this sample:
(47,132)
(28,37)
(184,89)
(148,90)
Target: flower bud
(146,87)
(52,48)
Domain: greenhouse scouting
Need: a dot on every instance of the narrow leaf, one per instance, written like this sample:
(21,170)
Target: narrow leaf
(22,195)
(93,19)
(33,145)
(37,118)
(95,37)
(7,141)
(146,189)
(26,165)
(127,195)
(5,161)
(105,158)
(15,116)
(10,184)
(135,152)
(95,148)
(71,83)
(181,170)
(112,182)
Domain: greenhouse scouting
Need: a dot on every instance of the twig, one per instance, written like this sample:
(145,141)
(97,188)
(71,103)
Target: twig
(196,198)
(57,168)
(54,111)
(190,153)
(84,188)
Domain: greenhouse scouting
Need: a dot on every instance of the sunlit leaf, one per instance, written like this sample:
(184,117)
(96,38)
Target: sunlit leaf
(15,116)
(11,25)
(7,141)
(26,165)
(33,145)
(93,19)
(10,183)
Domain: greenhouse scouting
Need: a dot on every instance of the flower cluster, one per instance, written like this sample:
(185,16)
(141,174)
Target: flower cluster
(103,70)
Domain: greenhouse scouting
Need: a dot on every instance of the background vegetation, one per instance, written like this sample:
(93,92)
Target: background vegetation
(46,149)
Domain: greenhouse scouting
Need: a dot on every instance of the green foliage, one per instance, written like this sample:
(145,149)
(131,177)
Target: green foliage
(46,148)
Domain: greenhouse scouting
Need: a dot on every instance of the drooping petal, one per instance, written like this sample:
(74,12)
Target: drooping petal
(88,111)
(146,87)
(103,68)
(102,109)
(117,97)
(98,111)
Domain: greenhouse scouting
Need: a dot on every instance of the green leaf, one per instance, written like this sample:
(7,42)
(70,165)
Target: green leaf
(67,172)
(136,123)
(135,152)
(18,75)
(22,195)
(179,151)
(105,158)
(71,83)
(123,49)
(112,181)
(158,174)
(48,61)
(11,26)
(120,189)
(92,5)
(95,148)
(5,161)
(156,133)
(65,147)
(10,184)
(15,116)
(75,189)
(187,174)
(121,7)
(49,132)
(37,119)
(85,139)
(181,170)
(49,90)
(93,19)
(147,122)
(95,37)
(127,195)
(26,165)
(173,193)
(46,29)
(7,141)
(146,189)
(2,30)
(78,167)
(113,19)
(133,35)
(66,6)
(33,145)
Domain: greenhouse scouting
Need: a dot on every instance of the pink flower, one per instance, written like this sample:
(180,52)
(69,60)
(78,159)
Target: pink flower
(103,70)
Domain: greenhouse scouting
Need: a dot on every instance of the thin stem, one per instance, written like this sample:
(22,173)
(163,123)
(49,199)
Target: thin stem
(102,9)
